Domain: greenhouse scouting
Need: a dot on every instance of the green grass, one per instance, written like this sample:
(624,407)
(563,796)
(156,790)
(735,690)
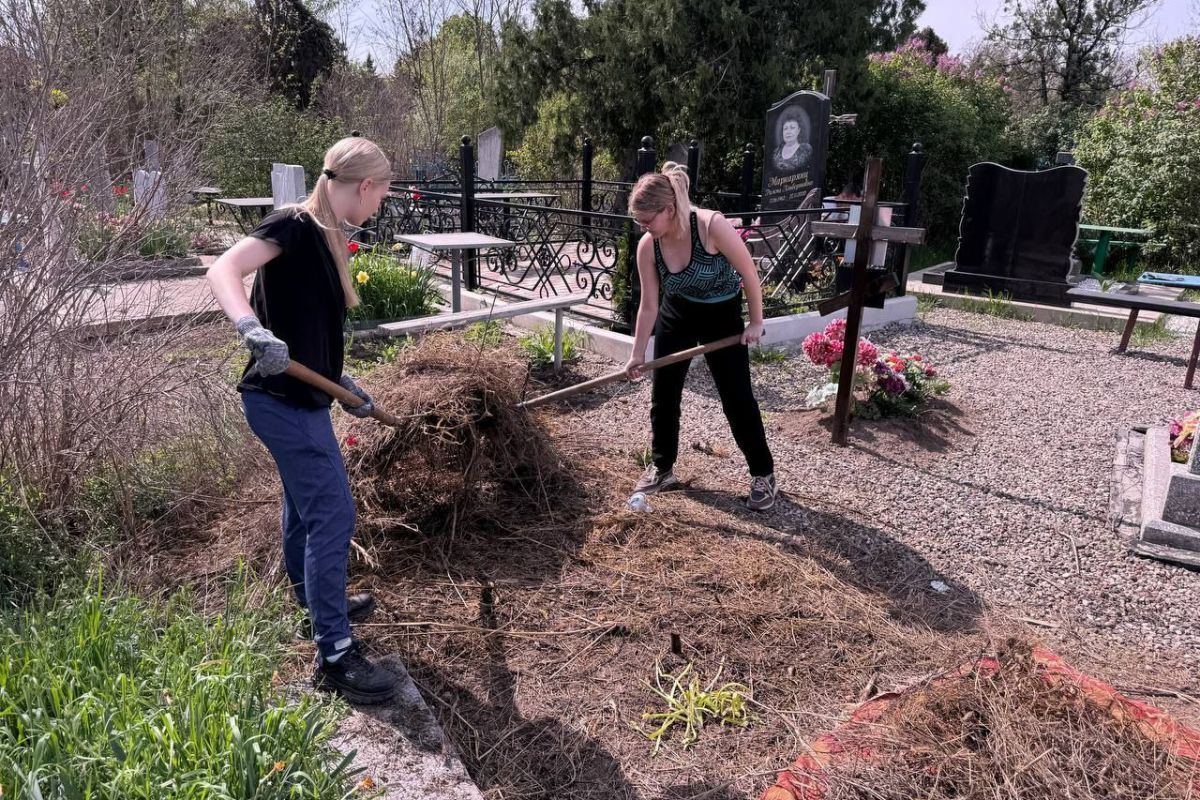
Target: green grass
(1156,331)
(927,302)
(767,355)
(996,305)
(486,334)
(1190,295)
(538,346)
(104,695)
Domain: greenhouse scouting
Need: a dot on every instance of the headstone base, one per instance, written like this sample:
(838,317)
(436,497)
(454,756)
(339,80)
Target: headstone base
(1050,292)
(1170,504)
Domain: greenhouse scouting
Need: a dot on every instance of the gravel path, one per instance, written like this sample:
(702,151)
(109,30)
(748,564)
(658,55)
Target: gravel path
(1001,492)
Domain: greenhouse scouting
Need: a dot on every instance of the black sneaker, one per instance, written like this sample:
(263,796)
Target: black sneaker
(654,481)
(358,608)
(762,493)
(355,678)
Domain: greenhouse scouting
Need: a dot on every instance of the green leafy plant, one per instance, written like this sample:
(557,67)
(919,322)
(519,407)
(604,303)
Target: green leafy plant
(995,304)
(691,706)
(538,346)
(390,289)
(1142,160)
(485,334)
(107,695)
(30,556)
(1149,333)
(248,138)
(767,355)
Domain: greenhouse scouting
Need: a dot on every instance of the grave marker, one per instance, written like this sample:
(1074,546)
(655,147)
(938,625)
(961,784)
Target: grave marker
(794,149)
(490,150)
(150,193)
(287,184)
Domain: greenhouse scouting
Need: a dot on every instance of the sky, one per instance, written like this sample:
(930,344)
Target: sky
(961,22)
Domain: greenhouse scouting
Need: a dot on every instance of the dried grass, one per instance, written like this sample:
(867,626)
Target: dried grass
(1010,734)
(462,448)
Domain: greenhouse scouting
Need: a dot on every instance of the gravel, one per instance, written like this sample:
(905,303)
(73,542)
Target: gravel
(1001,491)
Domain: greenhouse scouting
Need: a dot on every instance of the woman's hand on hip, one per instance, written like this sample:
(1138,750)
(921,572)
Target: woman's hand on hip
(753,333)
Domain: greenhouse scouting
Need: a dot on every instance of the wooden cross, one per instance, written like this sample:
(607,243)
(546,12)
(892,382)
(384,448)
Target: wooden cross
(866,233)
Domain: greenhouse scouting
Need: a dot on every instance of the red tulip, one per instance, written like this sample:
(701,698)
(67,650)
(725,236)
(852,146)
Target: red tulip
(353,248)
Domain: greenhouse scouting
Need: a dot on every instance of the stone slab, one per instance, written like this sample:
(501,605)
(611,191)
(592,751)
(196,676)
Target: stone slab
(1182,505)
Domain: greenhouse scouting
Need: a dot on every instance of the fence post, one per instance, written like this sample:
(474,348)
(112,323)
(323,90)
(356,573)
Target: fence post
(467,215)
(693,166)
(646,160)
(747,183)
(914,166)
(585,183)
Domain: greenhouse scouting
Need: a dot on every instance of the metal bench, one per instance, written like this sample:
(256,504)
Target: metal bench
(1135,304)
(461,319)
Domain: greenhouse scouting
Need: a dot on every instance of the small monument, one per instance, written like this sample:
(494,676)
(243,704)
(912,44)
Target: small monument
(794,149)
(1017,233)
(287,184)
(490,148)
(1170,502)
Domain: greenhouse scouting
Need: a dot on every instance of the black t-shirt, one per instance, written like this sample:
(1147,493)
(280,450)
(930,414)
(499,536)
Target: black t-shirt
(298,297)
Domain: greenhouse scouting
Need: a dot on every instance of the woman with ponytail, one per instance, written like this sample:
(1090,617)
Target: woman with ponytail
(297,310)
(702,267)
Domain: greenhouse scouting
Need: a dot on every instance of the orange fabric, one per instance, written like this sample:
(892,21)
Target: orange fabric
(805,779)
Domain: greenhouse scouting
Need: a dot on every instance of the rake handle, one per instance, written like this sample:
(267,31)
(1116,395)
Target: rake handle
(335,390)
(649,366)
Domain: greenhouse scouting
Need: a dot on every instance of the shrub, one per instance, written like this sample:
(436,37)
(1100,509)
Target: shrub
(249,138)
(30,557)
(389,289)
(538,345)
(1142,153)
(109,696)
(916,97)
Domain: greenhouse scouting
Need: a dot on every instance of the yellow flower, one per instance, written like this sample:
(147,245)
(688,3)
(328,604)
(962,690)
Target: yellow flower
(362,277)
(278,766)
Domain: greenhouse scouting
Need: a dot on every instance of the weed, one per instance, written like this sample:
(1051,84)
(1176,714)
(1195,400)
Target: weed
(538,346)
(1156,331)
(691,706)
(927,302)
(486,334)
(997,304)
(768,355)
(107,695)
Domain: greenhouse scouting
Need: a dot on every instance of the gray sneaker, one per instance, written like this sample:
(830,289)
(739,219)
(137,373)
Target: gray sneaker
(654,481)
(762,493)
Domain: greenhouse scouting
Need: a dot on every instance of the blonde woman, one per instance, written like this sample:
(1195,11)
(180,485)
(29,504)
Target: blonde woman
(702,266)
(297,310)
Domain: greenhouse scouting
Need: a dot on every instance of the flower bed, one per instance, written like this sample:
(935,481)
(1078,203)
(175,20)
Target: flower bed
(388,289)
(885,384)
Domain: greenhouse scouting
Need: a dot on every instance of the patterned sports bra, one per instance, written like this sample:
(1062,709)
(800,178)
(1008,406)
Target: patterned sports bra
(708,277)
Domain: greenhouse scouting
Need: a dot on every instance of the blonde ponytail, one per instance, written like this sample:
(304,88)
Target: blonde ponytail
(350,160)
(655,191)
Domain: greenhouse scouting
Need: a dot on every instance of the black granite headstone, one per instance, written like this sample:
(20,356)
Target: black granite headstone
(1017,232)
(794,149)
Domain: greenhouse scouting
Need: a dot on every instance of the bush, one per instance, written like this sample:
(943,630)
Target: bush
(249,138)
(389,289)
(30,558)
(552,149)
(109,696)
(1142,153)
(960,119)
(538,346)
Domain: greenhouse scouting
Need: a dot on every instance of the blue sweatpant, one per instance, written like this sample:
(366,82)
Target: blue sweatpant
(318,510)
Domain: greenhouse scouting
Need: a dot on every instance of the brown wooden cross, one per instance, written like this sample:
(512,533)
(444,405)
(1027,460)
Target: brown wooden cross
(866,233)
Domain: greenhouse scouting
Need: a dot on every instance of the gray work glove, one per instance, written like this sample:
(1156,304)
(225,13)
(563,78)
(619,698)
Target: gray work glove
(366,408)
(270,353)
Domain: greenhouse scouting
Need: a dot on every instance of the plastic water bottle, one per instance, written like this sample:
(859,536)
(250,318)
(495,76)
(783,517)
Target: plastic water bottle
(638,502)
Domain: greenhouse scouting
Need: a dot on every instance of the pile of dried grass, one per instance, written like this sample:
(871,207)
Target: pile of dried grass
(1009,734)
(462,449)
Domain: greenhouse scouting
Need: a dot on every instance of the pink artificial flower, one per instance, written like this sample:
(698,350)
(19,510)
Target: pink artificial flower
(867,352)
(836,329)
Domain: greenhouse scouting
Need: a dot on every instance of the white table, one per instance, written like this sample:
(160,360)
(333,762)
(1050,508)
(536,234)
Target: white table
(454,244)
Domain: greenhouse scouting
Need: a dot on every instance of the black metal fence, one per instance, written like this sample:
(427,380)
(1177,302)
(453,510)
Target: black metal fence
(576,235)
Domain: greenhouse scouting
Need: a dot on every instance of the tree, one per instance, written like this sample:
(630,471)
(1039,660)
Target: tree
(684,68)
(300,48)
(1066,51)
(1142,154)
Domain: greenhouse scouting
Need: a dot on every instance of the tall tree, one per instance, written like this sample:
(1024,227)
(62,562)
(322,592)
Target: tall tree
(300,48)
(1063,51)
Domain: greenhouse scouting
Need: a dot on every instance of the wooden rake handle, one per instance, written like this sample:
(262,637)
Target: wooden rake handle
(619,375)
(337,391)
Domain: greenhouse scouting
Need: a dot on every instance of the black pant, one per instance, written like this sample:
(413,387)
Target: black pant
(686,323)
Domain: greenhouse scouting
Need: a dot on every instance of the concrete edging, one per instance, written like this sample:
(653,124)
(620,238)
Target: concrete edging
(779,331)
